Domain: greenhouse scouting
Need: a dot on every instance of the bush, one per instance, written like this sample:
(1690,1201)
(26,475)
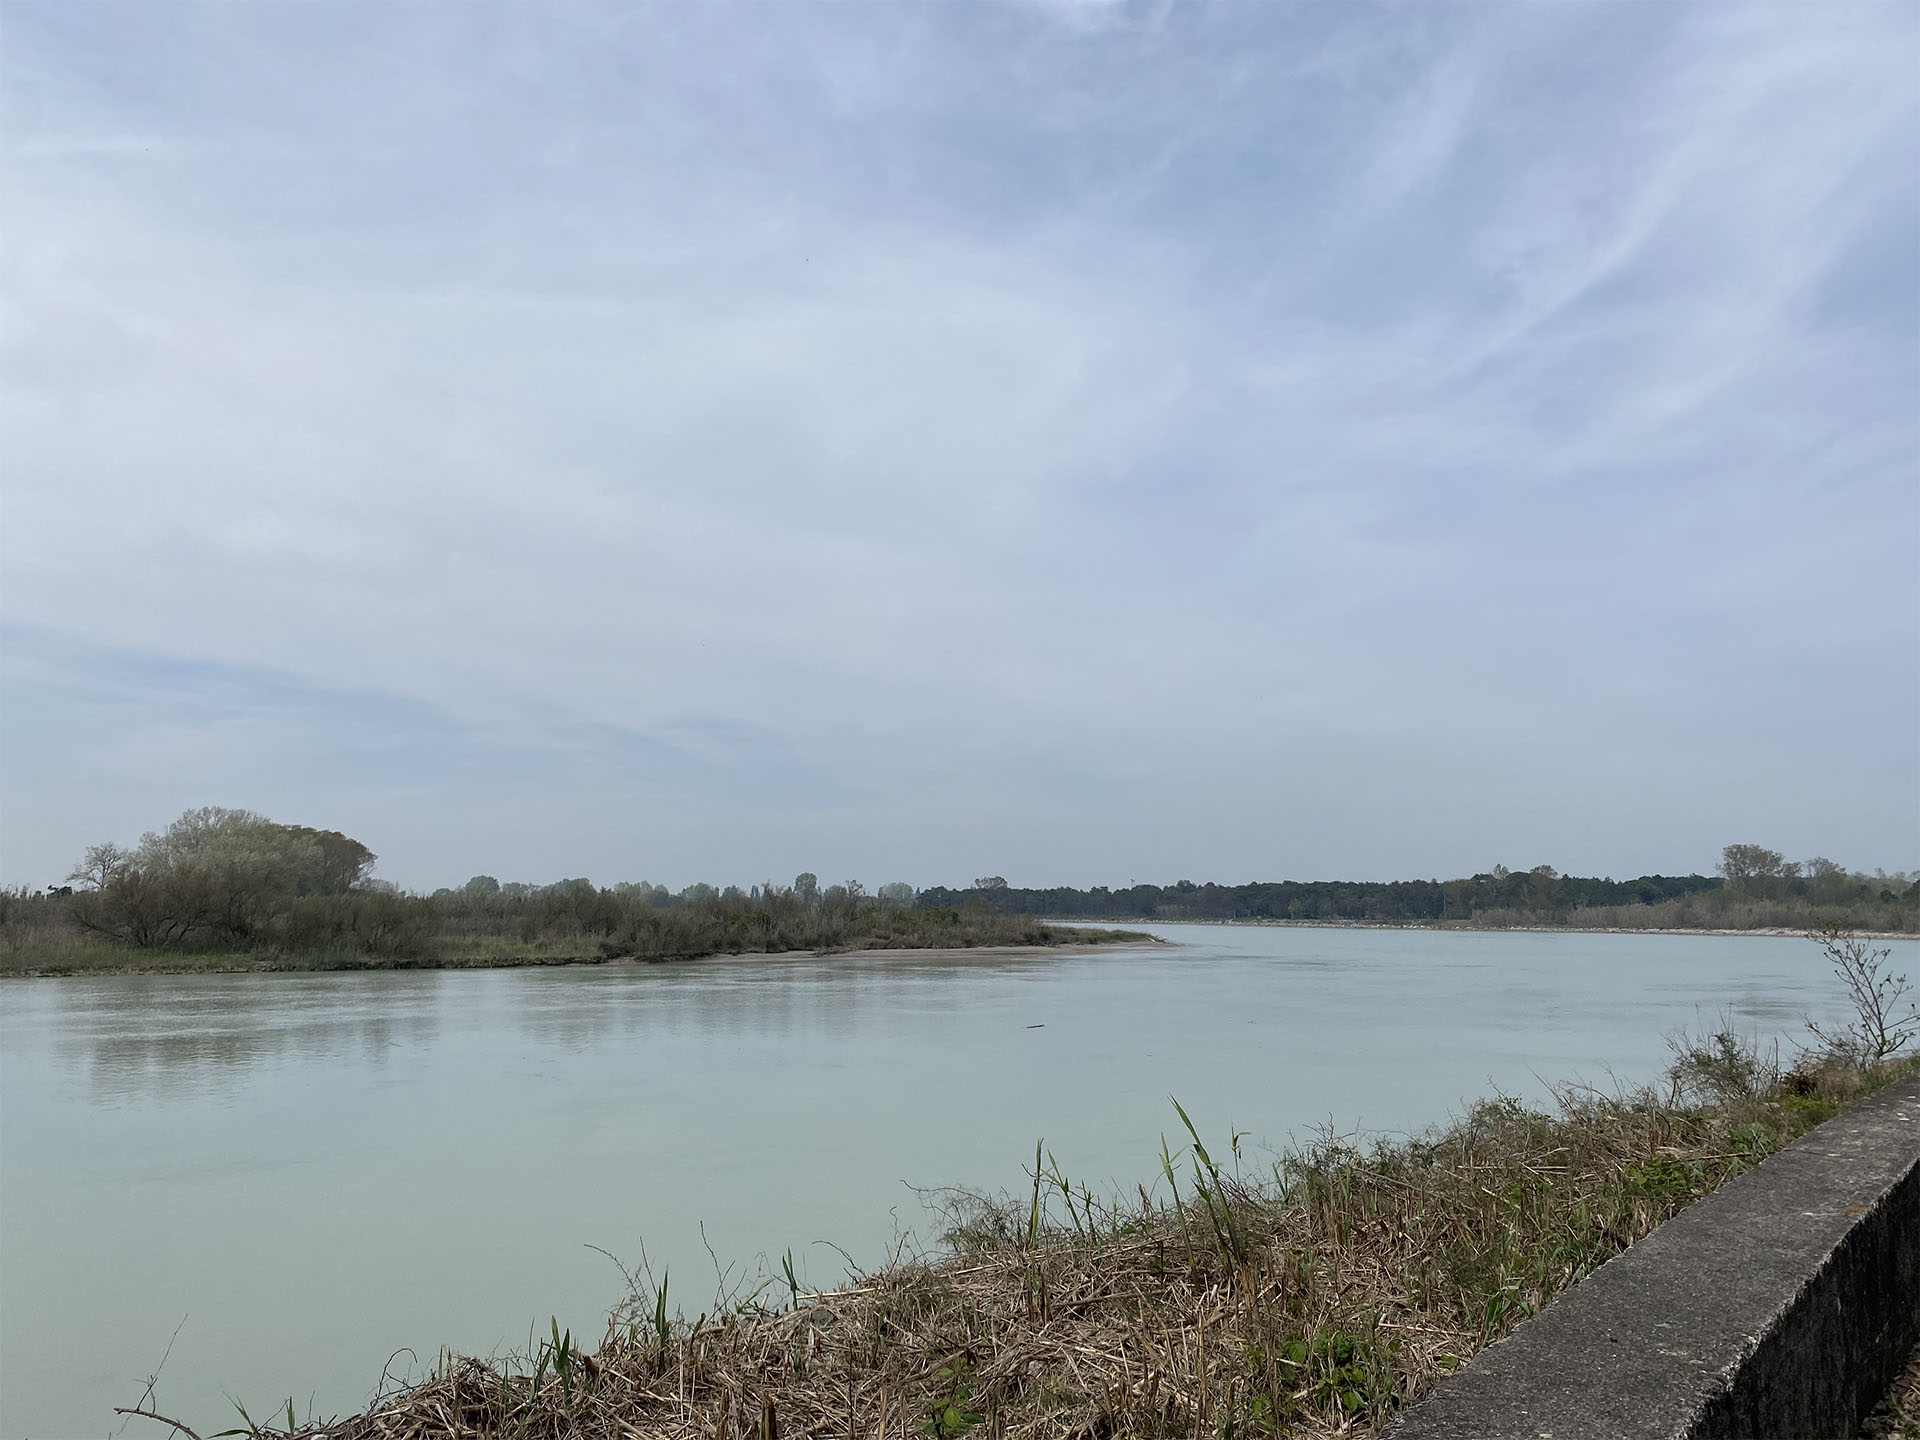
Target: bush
(233,879)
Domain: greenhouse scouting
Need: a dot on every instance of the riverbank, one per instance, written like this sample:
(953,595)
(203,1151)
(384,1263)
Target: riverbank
(40,962)
(1317,1294)
(1473,927)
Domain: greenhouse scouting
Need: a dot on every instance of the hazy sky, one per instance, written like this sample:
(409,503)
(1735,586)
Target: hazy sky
(1077,442)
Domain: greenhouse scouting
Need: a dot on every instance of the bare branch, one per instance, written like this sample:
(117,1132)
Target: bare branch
(186,1430)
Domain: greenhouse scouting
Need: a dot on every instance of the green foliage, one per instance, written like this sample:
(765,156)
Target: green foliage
(950,1413)
(644,922)
(1757,889)
(231,879)
(1340,1371)
(1720,1068)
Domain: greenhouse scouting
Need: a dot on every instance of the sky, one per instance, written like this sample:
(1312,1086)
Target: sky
(1080,442)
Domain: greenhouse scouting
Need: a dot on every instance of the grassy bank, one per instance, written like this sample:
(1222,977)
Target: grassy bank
(1316,1294)
(81,956)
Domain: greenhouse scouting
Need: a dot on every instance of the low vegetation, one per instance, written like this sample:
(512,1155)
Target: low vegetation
(228,889)
(1316,1294)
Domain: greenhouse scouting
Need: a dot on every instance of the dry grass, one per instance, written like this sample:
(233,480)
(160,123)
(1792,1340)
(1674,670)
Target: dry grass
(1317,1297)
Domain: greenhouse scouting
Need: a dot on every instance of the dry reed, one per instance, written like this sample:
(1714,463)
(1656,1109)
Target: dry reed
(1316,1298)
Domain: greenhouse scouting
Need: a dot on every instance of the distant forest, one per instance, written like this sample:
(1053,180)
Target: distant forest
(1380,901)
(1756,888)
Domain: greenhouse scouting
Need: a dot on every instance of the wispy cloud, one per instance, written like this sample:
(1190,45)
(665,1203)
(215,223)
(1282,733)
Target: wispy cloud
(1217,439)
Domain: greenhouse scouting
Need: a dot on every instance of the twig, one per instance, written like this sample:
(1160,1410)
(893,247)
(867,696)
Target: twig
(186,1430)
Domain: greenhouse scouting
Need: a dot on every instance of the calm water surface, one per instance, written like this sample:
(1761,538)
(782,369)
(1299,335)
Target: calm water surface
(303,1175)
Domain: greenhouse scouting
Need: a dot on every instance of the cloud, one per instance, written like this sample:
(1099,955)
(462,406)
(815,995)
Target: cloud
(1226,440)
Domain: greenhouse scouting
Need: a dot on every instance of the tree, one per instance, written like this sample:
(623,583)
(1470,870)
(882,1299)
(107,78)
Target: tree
(806,885)
(481,885)
(215,876)
(1879,1029)
(895,893)
(1827,880)
(990,882)
(101,866)
(1745,864)
(341,863)
(146,910)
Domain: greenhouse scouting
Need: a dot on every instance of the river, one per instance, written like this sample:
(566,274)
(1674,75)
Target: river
(299,1181)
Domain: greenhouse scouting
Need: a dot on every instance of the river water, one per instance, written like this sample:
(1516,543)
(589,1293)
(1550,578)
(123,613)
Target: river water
(292,1179)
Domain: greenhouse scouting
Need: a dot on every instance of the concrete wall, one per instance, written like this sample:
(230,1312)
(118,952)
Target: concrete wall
(1780,1305)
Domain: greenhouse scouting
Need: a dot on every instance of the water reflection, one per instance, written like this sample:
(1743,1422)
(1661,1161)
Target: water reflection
(159,1037)
(165,1037)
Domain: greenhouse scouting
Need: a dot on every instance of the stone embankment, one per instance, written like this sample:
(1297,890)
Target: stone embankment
(1783,1304)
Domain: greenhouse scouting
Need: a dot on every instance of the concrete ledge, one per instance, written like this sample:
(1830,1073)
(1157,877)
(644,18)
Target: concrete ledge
(1782,1304)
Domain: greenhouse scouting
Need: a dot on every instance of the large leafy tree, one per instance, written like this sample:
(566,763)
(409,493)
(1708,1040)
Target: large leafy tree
(213,876)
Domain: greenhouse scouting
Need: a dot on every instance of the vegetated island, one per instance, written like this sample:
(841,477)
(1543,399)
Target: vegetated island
(229,890)
(225,890)
(1316,1294)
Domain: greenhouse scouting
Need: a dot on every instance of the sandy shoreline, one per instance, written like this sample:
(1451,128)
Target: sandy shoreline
(270,965)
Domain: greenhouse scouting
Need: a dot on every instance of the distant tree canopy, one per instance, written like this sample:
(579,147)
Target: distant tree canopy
(1748,873)
(234,878)
(1742,864)
(635,918)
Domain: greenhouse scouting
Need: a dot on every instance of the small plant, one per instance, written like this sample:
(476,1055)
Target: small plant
(1879,1030)
(564,1354)
(1720,1068)
(951,1413)
(793,1281)
(661,1327)
(1215,1193)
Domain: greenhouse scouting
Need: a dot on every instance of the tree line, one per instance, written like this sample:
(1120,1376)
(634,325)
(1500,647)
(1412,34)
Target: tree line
(1754,886)
(652,922)
(235,880)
